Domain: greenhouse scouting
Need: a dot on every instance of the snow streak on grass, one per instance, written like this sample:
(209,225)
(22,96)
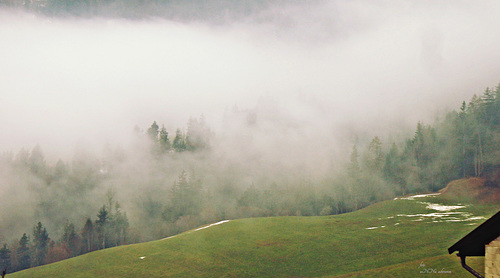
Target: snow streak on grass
(201,228)
(442,213)
(208,226)
(418,196)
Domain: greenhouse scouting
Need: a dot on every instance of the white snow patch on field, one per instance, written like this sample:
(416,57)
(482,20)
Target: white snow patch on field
(442,213)
(442,207)
(418,196)
(204,227)
(434,215)
(373,228)
(169,237)
(208,226)
(475,218)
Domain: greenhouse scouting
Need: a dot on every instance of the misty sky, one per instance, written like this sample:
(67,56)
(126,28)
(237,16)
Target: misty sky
(370,64)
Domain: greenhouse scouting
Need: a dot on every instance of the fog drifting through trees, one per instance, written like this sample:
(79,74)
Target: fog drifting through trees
(284,92)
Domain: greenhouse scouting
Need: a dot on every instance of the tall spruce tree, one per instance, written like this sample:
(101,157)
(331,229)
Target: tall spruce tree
(375,156)
(87,237)
(5,262)
(101,225)
(163,140)
(179,143)
(184,198)
(153,131)
(40,244)
(71,240)
(23,253)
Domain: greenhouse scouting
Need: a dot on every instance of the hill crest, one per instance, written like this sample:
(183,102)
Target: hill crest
(475,190)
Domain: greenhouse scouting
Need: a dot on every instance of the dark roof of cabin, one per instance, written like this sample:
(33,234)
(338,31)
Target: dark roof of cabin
(473,244)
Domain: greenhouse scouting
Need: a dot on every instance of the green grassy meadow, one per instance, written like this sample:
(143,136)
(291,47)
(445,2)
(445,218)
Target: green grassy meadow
(399,243)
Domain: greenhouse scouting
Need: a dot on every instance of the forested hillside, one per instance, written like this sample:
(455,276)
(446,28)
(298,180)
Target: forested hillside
(166,184)
(409,237)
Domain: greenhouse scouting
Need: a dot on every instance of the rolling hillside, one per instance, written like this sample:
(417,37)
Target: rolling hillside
(396,238)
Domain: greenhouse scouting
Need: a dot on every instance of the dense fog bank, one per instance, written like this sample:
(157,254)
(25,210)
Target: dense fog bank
(329,66)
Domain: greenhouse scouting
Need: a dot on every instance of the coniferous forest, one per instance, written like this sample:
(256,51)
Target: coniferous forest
(170,181)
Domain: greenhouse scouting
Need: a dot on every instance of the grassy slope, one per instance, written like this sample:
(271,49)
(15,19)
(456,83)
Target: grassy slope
(290,247)
(444,265)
